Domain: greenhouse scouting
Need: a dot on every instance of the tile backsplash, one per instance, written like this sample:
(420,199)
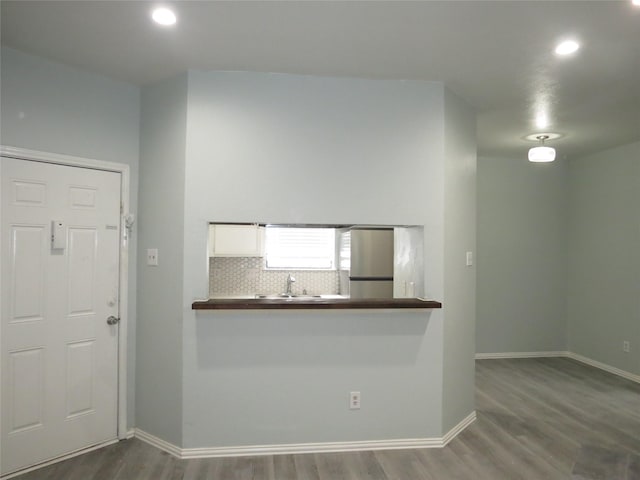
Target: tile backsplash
(246,276)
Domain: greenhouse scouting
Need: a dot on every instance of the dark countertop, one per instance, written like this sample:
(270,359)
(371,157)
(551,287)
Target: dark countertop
(313,303)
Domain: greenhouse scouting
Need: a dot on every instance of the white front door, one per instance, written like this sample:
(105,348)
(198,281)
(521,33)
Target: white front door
(59,356)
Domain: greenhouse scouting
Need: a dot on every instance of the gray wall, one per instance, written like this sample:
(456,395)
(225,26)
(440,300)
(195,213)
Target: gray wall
(522,256)
(161,226)
(604,256)
(558,258)
(54,108)
(459,280)
(340,151)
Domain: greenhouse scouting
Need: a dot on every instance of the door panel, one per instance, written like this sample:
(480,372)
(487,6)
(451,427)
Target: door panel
(82,263)
(28,245)
(27,389)
(59,356)
(30,194)
(80,372)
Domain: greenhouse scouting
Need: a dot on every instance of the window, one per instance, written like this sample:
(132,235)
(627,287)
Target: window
(300,248)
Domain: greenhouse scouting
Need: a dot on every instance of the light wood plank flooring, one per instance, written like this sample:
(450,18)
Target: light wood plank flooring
(547,418)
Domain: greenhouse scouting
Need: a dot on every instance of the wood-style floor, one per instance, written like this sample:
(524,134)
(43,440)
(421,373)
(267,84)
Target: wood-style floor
(548,418)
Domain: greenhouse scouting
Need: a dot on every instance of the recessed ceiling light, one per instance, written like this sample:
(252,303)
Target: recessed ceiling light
(163,16)
(567,47)
(636,2)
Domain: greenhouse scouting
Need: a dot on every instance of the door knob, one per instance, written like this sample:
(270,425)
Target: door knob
(112,320)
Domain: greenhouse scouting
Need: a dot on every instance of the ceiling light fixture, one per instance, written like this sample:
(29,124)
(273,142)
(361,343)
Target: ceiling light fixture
(163,16)
(542,153)
(567,47)
(636,2)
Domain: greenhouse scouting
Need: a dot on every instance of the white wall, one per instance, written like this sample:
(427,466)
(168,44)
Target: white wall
(604,256)
(521,256)
(55,108)
(459,279)
(336,151)
(161,225)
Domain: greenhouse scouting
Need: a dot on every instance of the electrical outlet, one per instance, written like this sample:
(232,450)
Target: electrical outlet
(626,346)
(354,400)
(152,257)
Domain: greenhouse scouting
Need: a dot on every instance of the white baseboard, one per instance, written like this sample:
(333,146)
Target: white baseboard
(574,356)
(489,356)
(605,367)
(325,447)
(158,443)
(453,433)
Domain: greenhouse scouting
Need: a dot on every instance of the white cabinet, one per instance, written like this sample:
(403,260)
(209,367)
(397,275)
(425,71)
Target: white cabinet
(227,240)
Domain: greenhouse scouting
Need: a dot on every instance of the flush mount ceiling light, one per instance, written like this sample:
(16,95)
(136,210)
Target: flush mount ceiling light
(636,2)
(567,47)
(163,16)
(542,153)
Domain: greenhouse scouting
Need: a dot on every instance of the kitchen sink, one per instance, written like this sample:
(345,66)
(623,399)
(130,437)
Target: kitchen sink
(285,296)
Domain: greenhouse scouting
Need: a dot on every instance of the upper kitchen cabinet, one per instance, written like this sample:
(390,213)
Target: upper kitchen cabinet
(235,240)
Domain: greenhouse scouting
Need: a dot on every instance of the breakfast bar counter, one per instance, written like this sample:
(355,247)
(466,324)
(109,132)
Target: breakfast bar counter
(313,303)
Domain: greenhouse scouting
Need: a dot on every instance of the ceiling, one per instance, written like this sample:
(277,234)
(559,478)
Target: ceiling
(497,55)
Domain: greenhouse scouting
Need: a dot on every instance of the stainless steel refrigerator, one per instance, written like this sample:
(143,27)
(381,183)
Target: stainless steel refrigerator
(371,263)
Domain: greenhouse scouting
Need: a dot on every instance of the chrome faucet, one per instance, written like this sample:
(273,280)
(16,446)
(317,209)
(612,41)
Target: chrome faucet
(290,280)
